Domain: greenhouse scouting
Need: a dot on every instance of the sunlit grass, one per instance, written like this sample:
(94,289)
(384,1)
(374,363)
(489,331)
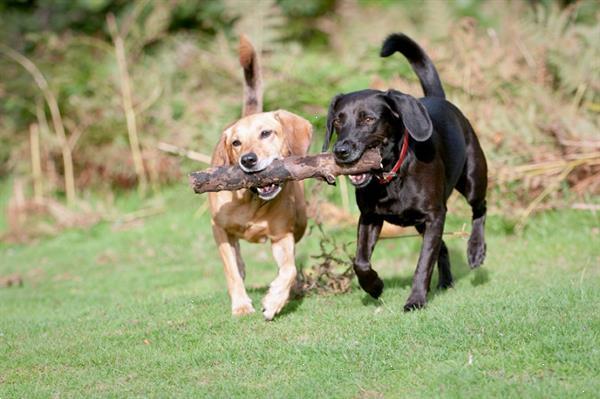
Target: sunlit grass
(142,311)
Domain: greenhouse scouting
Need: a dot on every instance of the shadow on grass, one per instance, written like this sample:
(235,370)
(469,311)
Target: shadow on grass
(258,290)
(291,306)
(480,277)
(460,269)
(295,301)
(368,300)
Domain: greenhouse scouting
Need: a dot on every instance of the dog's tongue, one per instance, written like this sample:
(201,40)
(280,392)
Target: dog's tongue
(266,189)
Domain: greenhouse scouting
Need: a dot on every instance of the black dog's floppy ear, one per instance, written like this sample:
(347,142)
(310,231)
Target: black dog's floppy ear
(414,115)
(330,114)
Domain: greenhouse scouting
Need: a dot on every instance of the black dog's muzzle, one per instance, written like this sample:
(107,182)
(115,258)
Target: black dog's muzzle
(347,151)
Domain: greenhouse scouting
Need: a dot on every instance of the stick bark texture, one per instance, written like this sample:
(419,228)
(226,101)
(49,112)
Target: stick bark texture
(321,166)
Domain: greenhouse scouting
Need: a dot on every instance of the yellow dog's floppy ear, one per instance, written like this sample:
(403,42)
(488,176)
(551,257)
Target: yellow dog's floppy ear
(221,155)
(297,131)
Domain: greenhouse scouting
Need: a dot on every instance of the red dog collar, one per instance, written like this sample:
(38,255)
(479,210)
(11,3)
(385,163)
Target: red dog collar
(388,176)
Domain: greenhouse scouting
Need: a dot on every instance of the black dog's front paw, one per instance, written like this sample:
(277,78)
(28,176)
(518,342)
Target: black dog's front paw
(414,302)
(371,283)
(444,284)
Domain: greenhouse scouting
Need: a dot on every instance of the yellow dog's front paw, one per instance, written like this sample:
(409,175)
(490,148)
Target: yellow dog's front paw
(242,309)
(269,314)
(272,304)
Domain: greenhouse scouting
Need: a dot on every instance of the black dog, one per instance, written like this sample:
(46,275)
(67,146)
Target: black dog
(428,148)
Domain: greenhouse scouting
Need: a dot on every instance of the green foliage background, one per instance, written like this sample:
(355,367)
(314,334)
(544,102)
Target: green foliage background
(522,71)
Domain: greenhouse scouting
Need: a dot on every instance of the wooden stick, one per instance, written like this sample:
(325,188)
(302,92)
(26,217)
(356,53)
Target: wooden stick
(182,152)
(586,207)
(59,128)
(321,166)
(462,233)
(459,234)
(549,189)
(345,195)
(36,163)
(127,102)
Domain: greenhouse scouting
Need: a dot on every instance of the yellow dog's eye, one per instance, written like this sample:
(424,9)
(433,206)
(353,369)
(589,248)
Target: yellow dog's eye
(236,143)
(265,133)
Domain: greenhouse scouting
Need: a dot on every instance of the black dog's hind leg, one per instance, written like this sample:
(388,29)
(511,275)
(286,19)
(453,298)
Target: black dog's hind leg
(445,279)
(430,251)
(473,186)
(369,228)
(476,247)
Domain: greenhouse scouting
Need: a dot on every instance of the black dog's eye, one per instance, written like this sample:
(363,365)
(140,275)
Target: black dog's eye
(236,143)
(368,119)
(265,133)
(337,123)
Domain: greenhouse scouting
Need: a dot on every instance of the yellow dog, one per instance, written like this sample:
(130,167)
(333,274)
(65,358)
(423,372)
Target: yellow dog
(275,212)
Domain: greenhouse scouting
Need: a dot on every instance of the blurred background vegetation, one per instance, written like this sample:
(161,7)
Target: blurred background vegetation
(89,89)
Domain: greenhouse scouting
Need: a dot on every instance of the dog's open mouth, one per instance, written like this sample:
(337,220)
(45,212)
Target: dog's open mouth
(268,192)
(360,180)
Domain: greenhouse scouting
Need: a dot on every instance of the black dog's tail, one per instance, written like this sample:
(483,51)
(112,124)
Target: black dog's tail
(253,95)
(422,65)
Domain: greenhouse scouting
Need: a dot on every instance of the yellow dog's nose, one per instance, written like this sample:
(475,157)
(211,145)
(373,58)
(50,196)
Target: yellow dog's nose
(249,160)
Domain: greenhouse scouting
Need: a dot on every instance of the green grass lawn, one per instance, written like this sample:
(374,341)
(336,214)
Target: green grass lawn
(142,310)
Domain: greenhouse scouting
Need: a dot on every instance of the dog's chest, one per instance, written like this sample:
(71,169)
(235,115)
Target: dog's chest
(397,206)
(400,214)
(254,231)
(248,224)
(245,217)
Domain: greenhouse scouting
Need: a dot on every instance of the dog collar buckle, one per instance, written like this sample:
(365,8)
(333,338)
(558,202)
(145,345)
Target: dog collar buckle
(387,177)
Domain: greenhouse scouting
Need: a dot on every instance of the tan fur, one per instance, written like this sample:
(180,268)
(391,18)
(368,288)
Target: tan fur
(249,61)
(243,215)
(246,51)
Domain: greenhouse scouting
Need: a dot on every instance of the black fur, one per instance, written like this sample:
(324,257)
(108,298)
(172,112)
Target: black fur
(422,65)
(444,154)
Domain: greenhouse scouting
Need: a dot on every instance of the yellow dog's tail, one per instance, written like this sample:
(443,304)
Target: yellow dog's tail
(253,94)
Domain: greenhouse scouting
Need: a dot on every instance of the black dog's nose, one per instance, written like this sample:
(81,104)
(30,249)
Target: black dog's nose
(342,150)
(249,160)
